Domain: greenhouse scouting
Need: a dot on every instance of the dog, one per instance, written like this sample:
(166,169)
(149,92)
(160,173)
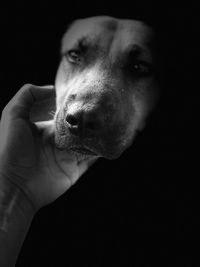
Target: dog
(105,85)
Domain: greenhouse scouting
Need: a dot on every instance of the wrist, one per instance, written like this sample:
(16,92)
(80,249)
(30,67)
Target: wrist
(16,214)
(13,201)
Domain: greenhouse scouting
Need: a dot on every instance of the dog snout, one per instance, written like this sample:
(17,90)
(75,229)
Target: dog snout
(84,122)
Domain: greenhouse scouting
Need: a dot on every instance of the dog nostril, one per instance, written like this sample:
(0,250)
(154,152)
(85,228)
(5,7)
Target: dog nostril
(83,123)
(72,120)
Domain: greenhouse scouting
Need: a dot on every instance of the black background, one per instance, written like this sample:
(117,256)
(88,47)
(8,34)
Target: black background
(141,209)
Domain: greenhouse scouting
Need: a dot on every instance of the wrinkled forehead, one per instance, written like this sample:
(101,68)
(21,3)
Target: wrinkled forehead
(105,32)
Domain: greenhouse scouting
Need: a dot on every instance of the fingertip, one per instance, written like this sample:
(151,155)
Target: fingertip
(29,94)
(42,92)
(49,86)
(41,87)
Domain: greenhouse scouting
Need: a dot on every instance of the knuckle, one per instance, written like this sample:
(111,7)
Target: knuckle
(27,86)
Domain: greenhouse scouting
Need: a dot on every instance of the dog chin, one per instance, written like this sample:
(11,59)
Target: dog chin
(83,153)
(88,150)
(82,157)
(78,153)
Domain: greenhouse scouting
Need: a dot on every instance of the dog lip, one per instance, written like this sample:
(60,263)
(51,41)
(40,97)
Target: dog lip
(83,150)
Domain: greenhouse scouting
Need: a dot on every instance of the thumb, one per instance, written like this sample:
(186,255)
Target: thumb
(20,105)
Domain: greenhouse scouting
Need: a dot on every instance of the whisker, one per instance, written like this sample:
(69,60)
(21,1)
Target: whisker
(52,113)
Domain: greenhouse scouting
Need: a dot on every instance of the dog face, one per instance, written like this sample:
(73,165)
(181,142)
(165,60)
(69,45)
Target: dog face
(105,86)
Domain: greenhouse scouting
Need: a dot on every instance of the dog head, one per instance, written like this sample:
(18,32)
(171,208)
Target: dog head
(105,86)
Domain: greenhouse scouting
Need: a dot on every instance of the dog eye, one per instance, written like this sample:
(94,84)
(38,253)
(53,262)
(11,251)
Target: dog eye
(73,56)
(141,69)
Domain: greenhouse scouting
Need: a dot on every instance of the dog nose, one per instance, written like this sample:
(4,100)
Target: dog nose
(83,123)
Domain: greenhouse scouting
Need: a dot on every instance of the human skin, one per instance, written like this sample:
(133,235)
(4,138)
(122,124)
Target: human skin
(33,173)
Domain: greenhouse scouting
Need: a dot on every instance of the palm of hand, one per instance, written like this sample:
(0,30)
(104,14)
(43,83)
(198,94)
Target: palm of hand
(33,163)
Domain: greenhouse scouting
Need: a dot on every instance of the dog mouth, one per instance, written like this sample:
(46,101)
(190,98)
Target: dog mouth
(108,145)
(83,151)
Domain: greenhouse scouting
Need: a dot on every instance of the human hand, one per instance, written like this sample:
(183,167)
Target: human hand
(28,157)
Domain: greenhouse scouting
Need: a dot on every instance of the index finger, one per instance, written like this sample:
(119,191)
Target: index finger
(20,105)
